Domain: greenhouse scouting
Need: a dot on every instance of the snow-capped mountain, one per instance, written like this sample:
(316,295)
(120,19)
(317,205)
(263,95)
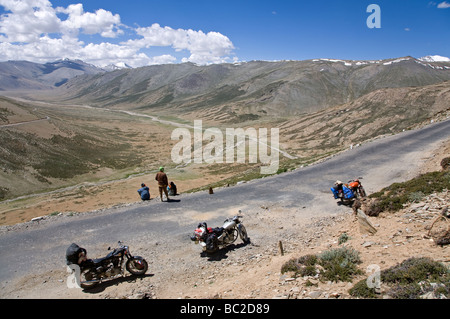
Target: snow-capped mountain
(117,66)
(434,58)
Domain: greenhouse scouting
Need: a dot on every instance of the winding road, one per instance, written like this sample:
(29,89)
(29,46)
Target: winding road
(41,246)
(25,122)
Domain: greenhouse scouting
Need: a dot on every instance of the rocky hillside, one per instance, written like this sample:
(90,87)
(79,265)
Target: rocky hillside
(24,75)
(384,111)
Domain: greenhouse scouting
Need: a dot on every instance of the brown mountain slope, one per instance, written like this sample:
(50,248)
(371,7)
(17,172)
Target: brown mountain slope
(385,111)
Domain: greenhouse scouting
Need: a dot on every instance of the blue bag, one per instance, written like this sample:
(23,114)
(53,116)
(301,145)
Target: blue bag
(347,192)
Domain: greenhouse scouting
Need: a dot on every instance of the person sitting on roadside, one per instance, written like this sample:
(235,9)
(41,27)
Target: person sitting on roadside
(144,192)
(172,189)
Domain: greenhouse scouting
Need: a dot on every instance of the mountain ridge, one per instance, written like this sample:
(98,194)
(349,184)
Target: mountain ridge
(25,75)
(282,88)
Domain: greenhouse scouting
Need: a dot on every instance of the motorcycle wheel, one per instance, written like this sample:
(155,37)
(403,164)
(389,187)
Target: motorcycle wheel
(233,236)
(137,266)
(243,233)
(362,192)
(86,280)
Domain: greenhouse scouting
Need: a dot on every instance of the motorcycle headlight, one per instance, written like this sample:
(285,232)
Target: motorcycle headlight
(138,264)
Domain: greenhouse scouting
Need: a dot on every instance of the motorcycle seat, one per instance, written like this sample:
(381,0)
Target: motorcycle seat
(98,261)
(218,230)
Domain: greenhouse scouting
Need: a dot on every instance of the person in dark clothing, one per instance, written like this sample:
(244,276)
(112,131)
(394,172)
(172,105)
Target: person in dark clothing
(172,189)
(144,192)
(161,177)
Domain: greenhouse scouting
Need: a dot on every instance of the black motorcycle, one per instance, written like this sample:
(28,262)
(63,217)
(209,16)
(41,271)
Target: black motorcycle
(94,271)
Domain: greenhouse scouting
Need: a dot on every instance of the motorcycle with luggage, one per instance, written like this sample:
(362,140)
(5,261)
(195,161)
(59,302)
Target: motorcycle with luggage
(113,265)
(348,192)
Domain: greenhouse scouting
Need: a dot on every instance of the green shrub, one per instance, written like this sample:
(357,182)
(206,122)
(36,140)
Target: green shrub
(336,265)
(308,260)
(343,238)
(339,264)
(415,196)
(408,291)
(303,266)
(290,265)
(361,290)
(410,279)
(414,270)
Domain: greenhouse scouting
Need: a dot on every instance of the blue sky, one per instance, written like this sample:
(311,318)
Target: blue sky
(143,32)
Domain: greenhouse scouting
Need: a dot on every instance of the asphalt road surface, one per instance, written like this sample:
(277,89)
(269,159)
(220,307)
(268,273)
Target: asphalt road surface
(42,245)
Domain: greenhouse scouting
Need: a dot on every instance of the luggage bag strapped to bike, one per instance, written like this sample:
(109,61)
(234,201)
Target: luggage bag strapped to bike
(335,192)
(73,254)
(348,194)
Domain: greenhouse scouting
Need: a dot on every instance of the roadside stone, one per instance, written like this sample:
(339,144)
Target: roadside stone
(334,295)
(365,225)
(367,244)
(428,295)
(315,294)
(281,297)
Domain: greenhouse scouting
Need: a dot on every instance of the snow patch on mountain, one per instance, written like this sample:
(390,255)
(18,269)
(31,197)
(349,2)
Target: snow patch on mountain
(116,66)
(434,58)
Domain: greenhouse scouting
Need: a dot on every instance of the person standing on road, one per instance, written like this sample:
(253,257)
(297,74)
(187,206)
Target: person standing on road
(161,177)
(144,192)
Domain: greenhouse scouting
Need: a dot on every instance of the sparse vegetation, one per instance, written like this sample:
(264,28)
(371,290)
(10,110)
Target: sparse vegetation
(64,157)
(361,290)
(393,197)
(411,279)
(343,238)
(4,113)
(338,264)
(415,270)
(3,192)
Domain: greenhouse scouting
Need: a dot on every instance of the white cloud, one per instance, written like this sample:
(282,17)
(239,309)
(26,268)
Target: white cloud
(102,22)
(28,20)
(34,30)
(211,47)
(443,5)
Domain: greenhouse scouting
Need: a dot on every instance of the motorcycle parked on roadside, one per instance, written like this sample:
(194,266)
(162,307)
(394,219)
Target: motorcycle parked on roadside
(348,192)
(212,239)
(357,188)
(94,271)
